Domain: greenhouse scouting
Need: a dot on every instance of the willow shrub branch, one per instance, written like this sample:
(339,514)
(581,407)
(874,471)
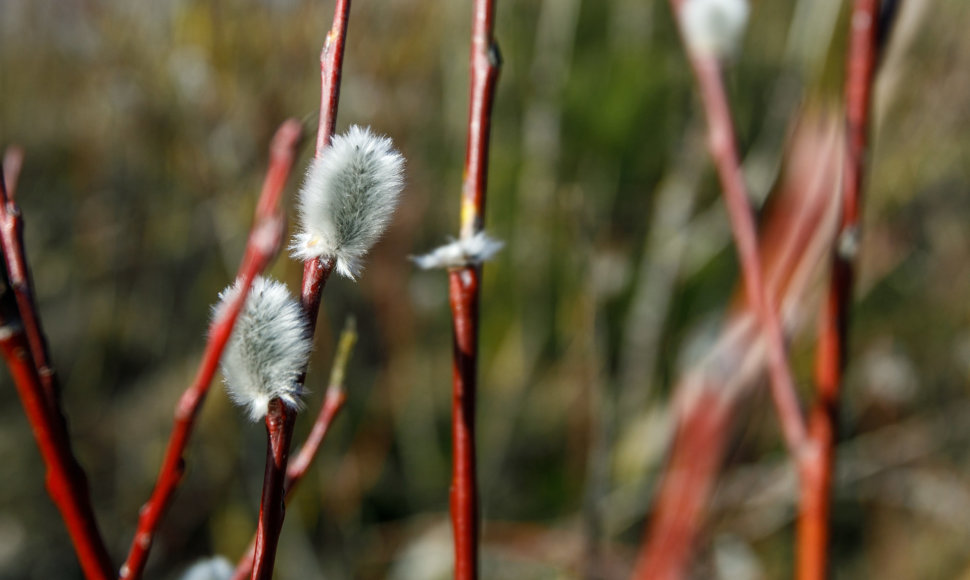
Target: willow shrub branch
(24,349)
(831,355)
(333,403)
(722,143)
(265,239)
(465,292)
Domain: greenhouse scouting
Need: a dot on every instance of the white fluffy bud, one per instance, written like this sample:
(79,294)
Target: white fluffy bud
(214,568)
(268,350)
(714,27)
(459,253)
(347,199)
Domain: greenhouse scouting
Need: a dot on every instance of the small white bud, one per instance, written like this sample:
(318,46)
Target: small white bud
(268,350)
(214,568)
(347,199)
(459,253)
(714,27)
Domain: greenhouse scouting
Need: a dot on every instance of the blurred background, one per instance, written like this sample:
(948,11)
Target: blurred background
(145,127)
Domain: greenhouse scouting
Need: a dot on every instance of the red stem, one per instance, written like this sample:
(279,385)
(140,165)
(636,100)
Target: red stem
(24,345)
(331,68)
(465,292)
(65,481)
(464,484)
(688,481)
(332,404)
(722,140)
(11,237)
(316,272)
(263,244)
(13,161)
(279,431)
(815,508)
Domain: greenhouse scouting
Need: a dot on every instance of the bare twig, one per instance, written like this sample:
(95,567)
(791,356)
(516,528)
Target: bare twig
(724,151)
(333,402)
(816,490)
(279,431)
(25,352)
(316,272)
(464,292)
(263,244)
(795,242)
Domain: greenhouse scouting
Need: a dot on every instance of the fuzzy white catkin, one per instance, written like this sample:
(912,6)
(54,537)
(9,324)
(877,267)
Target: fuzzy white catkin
(268,350)
(348,198)
(462,252)
(214,568)
(714,27)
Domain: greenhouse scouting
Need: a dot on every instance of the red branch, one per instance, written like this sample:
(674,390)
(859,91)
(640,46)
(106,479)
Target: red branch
(11,237)
(816,500)
(724,151)
(331,68)
(465,292)
(316,272)
(263,244)
(332,404)
(25,351)
(464,482)
(279,432)
(795,242)
(13,161)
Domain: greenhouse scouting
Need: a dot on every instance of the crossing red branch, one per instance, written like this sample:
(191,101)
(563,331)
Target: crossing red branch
(722,142)
(264,242)
(816,499)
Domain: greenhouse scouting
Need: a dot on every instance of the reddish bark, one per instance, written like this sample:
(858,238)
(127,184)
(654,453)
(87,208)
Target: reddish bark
(464,482)
(263,244)
(279,432)
(816,499)
(464,292)
(25,351)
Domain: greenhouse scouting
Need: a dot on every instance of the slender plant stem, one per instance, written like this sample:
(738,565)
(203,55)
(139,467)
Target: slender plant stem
(333,402)
(331,69)
(279,432)
(816,488)
(264,242)
(11,237)
(464,292)
(24,345)
(13,161)
(316,272)
(721,137)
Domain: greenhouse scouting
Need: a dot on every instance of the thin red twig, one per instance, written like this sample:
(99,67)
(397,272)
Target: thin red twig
(722,140)
(279,432)
(464,292)
(816,500)
(316,272)
(263,244)
(11,237)
(13,161)
(331,68)
(25,352)
(333,402)
(795,242)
